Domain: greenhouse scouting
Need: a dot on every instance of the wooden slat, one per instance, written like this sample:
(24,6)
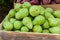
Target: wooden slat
(6,35)
(53,6)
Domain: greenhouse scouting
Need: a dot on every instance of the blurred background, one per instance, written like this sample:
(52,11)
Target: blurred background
(5,6)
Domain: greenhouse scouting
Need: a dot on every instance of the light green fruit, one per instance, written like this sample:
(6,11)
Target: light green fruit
(37,28)
(28,22)
(7,18)
(58,19)
(53,22)
(12,20)
(18,6)
(17,24)
(48,15)
(26,5)
(24,29)
(12,13)
(39,20)
(46,24)
(34,11)
(50,10)
(55,30)
(57,13)
(7,26)
(45,31)
(17,30)
(42,10)
(22,13)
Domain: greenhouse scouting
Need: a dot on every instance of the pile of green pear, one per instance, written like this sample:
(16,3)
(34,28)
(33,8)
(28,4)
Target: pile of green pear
(32,18)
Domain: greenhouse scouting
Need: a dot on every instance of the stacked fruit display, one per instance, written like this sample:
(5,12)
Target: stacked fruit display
(32,18)
(35,2)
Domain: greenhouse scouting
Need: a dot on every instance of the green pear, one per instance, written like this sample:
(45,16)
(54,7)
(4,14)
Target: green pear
(28,22)
(55,30)
(34,10)
(42,10)
(37,28)
(18,6)
(12,13)
(7,26)
(46,24)
(17,30)
(45,31)
(22,13)
(12,20)
(39,20)
(17,24)
(58,19)
(53,22)
(26,5)
(57,13)
(7,18)
(48,15)
(24,29)
(50,10)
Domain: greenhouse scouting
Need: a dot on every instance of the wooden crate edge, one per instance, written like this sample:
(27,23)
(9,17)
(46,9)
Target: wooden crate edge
(53,6)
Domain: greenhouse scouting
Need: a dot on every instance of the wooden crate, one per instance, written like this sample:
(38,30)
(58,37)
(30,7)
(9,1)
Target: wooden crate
(10,35)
